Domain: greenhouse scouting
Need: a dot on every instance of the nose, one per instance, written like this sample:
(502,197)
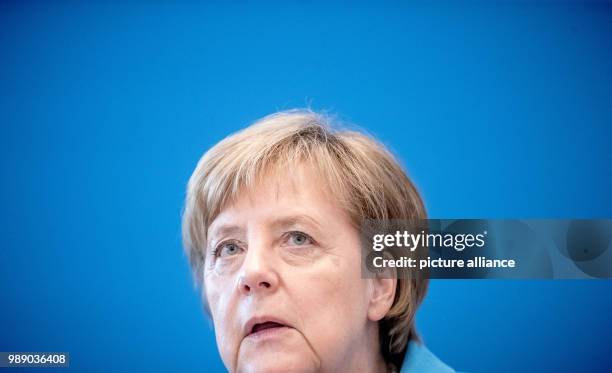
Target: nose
(258,274)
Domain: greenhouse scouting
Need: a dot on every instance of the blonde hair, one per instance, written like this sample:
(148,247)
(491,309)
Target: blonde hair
(366,178)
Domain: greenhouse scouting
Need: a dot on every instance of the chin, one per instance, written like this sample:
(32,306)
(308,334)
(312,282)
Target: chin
(277,363)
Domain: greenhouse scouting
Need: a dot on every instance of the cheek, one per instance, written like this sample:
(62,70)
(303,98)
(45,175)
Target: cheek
(333,307)
(223,315)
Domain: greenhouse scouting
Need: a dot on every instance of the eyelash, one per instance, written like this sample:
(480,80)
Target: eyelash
(307,236)
(215,252)
(217,249)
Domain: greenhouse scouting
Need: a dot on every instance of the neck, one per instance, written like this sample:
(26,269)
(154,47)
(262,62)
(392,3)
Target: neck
(366,356)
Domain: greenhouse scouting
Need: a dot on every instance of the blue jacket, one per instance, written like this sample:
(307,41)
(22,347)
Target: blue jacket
(420,360)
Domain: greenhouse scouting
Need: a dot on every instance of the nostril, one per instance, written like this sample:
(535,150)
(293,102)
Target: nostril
(248,286)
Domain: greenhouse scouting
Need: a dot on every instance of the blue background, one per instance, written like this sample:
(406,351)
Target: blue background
(498,110)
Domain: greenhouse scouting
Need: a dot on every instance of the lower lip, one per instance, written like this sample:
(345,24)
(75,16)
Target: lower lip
(268,333)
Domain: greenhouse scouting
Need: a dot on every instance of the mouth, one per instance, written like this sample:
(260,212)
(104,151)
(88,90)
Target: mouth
(261,326)
(258,328)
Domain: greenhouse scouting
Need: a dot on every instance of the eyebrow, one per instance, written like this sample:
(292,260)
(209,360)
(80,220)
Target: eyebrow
(292,220)
(223,230)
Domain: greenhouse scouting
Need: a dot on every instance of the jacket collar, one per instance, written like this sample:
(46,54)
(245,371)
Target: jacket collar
(419,359)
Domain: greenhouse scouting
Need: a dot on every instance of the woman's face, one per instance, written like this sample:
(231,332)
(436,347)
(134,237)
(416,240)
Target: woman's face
(283,281)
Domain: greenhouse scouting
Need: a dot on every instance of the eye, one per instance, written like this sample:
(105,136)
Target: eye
(299,239)
(226,249)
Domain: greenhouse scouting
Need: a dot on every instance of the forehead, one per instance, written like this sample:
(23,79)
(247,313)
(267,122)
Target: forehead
(296,191)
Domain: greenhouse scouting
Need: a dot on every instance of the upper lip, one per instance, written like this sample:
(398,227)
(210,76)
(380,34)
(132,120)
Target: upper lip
(248,327)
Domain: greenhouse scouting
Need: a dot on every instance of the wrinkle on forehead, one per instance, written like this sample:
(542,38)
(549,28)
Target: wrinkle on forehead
(290,180)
